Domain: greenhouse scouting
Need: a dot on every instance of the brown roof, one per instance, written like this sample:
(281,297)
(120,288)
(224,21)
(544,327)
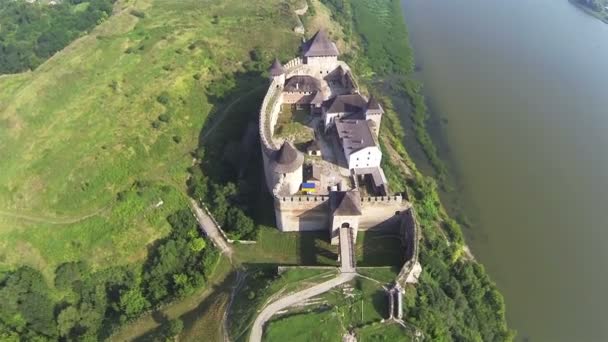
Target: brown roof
(355,134)
(276,69)
(320,46)
(287,159)
(346,203)
(373,106)
(351,103)
(318,98)
(302,83)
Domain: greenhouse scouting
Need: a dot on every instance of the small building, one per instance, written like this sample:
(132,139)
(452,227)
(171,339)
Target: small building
(345,208)
(303,92)
(343,105)
(361,149)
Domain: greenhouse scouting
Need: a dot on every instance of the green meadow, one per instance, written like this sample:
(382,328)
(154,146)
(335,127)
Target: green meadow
(122,105)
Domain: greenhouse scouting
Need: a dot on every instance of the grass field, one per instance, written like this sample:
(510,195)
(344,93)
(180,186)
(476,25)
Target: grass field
(317,326)
(379,249)
(391,332)
(86,125)
(275,247)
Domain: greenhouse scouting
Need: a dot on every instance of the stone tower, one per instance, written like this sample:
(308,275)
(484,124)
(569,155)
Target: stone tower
(287,163)
(277,72)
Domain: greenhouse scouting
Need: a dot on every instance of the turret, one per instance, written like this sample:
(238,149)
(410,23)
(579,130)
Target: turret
(277,72)
(320,52)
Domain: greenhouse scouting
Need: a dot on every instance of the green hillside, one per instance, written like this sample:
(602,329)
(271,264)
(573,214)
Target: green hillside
(90,122)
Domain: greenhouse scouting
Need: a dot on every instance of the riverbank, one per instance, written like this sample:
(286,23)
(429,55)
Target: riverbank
(603,16)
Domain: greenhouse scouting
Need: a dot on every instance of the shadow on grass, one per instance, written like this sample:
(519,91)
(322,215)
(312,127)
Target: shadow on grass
(314,249)
(380,248)
(190,318)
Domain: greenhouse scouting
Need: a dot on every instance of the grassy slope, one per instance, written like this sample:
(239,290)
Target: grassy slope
(77,131)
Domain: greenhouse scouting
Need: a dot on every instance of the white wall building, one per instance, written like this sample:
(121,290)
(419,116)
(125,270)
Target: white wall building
(361,149)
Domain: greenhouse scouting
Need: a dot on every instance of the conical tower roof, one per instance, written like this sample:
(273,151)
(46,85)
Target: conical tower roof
(320,46)
(287,159)
(373,103)
(276,69)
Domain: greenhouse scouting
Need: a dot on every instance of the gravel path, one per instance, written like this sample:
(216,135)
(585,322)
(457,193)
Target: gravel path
(210,228)
(257,329)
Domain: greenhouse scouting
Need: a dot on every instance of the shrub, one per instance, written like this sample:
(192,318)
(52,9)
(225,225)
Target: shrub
(137,13)
(177,139)
(163,98)
(164,117)
(156,124)
(197,76)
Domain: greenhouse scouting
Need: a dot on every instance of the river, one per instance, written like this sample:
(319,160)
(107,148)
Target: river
(523,88)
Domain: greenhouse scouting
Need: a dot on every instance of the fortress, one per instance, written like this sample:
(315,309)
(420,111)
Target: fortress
(333,180)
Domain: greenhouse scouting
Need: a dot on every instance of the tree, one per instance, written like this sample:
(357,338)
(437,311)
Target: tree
(68,273)
(67,320)
(174,327)
(133,302)
(197,244)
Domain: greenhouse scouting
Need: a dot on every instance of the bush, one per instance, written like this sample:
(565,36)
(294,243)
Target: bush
(163,98)
(137,13)
(156,124)
(164,118)
(177,139)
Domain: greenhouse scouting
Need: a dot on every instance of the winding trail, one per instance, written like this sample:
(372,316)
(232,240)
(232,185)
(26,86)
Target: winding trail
(49,220)
(257,330)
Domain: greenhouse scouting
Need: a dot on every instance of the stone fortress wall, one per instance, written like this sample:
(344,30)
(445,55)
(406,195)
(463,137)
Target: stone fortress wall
(309,213)
(305,212)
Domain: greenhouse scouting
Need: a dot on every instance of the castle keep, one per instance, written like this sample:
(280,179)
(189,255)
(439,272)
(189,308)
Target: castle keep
(334,179)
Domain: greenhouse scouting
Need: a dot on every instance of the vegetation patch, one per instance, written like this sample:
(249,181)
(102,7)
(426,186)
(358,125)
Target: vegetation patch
(322,326)
(263,285)
(34,31)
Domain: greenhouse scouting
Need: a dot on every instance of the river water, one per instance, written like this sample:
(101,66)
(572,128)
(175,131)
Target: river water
(523,88)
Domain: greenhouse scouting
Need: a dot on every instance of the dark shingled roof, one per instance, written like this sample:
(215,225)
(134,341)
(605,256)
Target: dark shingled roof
(355,134)
(351,103)
(276,69)
(373,103)
(320,46)
(346,203)
(287,159)
(302,83)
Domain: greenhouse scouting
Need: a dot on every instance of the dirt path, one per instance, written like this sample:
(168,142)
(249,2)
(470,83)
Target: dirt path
(51,220)
(257,329)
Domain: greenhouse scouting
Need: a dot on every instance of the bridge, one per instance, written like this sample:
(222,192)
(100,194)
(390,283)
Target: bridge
(348,259)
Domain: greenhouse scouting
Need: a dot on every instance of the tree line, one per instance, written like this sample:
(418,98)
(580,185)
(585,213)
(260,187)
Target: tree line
(84,304)
(30,33)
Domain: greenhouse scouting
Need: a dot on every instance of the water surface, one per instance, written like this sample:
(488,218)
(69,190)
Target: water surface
(523,85)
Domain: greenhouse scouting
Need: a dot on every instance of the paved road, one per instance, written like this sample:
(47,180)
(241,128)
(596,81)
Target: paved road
(210,228)
(258,326)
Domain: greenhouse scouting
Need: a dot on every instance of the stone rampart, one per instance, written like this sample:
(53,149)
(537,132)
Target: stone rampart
(410,238)
(302,213)
(381,212)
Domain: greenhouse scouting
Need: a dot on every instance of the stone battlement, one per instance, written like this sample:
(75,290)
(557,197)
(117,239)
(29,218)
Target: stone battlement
(302,199)
(382,199)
